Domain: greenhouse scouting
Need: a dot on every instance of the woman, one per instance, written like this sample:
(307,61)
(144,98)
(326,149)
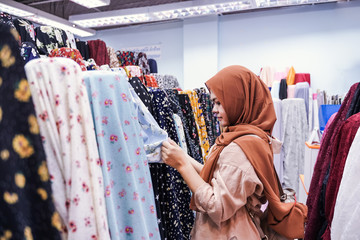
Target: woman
(239,172)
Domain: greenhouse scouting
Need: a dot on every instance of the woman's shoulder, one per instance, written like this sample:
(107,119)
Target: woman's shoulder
(233,155)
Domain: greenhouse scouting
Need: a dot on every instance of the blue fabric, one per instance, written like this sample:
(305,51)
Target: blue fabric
(29,51)
(153,65)
(128,188)
(325,112)
(152,134)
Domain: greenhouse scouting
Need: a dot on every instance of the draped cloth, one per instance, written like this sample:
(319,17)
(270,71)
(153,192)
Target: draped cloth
(26,206)
(73,54)
(345,223)
(99,52)
(252,113)
(321,166)
(341,146)
(64,116)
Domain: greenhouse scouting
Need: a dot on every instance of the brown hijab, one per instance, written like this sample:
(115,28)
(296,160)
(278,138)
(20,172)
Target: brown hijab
(249,107)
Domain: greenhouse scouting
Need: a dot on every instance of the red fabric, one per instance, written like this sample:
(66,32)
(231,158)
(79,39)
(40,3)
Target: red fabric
(98,52)
(151,81)
(341,147)
(322,162)
(302,77)
(71,53)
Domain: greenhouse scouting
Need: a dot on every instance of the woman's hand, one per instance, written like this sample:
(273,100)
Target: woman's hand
(173,155)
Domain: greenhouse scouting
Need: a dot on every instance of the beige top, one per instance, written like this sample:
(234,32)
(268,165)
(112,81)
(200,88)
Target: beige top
(222,214)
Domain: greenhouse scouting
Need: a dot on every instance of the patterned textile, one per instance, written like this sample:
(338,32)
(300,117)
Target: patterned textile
(73,54)
(128,188)
(64,115)
(98,52)
(83,48)
(180,131)
(166,81)
(125,58)
(151,132)
(134,71)
(26,30)
(114,62)
(91,64)
(153,65)
(26,207)
(200,122)
(211,122)
(151,81)
(49,38)
(29,51)
(142,62)
(180,110)
(142,92)
(169,187)
(6,18)
(71,43)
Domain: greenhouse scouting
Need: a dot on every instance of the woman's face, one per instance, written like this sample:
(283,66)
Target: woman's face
(219,111)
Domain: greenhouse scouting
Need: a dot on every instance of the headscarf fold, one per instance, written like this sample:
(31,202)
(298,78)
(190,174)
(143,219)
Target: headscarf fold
(249,107)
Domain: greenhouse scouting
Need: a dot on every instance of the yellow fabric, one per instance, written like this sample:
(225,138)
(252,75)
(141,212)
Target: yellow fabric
(290,79)
(200,122)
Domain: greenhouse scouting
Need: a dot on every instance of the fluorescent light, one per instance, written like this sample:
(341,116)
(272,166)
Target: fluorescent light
(44,18)
(92,3)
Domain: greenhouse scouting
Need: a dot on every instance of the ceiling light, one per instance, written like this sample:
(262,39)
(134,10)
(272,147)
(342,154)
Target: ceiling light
(44,18)
(92,3)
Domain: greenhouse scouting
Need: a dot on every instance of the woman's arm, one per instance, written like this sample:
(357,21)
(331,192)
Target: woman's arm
(188,167)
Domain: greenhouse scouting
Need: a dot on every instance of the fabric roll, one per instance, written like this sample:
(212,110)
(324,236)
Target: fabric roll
(302,91)
(180,131)
(142,92)
(71,42)
(342,145)
(98,52)
(26,204)
(315,218)
(135,71)
(114,62)
(170,188)
(49,38)
(25,29)
(166,81)
(151,133)
(302,77)
(294,134)
(275,90)
(277,133)
(129,193)
(315,111)
(345,223)
(151,81)
(29,51)
(320,98)
(283,91)
(83,48)
(65,121)
(126,58)
(70,53)
(142,62)
(291,91)
(290,79)
(267,75)
(153,65)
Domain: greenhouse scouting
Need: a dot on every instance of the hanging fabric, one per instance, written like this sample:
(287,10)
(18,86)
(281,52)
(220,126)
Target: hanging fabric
(128,188)
(25,29)
(26,206)
(83,48)
(125,58)
(29,51)
(71,42)
(321,167)
(73,54)
(114,62)
(66,126)
(152,65)
(142,62)
(49,38)
(99,52)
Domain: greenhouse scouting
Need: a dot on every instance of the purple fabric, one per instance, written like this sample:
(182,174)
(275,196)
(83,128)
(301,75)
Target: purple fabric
(323,160)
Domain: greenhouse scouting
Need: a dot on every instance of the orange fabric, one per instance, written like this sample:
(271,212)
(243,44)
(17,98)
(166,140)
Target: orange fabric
(290,79)
(249,107)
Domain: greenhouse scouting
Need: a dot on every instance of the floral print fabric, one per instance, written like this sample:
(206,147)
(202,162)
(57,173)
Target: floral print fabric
(151,81)
(26,207)
(200,122)
(64,116)
(49,38)
(142,62)
(128,187)
(166,81)
(26,30)
(135,71)
(71,43)
(180,131)
(169,187)
(73,54)
(29,51)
